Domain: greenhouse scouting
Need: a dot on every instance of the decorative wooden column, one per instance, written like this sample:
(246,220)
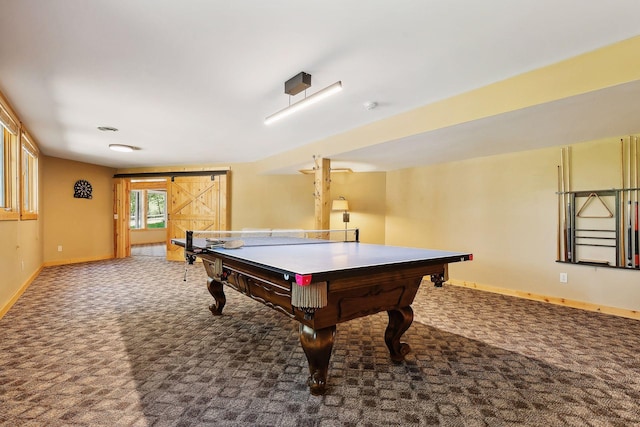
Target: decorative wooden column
(322,193)
(121,246)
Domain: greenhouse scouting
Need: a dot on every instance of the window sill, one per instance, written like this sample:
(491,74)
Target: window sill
(28,216)
(9,215)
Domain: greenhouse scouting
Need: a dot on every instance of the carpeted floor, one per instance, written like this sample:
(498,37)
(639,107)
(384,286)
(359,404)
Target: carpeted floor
(129,343)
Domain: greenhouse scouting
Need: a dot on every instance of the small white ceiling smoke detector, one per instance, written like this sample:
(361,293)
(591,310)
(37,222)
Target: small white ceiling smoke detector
(370,105)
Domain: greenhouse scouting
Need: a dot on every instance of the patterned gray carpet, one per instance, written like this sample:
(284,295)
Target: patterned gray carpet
(128,343)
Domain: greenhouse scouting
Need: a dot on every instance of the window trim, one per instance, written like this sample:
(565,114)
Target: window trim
(9,145)
(29,178)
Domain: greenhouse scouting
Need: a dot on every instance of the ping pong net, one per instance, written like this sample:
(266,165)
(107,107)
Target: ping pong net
(204,239)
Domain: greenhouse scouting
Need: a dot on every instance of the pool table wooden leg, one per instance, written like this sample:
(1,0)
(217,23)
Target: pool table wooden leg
(217,292)
(399,321)
(317,345)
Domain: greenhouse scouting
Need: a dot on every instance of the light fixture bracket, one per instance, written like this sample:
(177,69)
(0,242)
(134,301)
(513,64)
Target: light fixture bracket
(297,83)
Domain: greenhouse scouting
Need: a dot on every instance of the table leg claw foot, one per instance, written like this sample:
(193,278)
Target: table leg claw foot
(399,321)
(317,345)
(317,384)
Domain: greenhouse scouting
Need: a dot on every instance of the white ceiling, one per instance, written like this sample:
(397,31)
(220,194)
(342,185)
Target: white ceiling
(595,115)
(191,81)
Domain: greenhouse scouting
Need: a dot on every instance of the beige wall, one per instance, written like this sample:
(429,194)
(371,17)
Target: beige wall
(270,201)
(20,252)
(504,210)
(141,237)
(286,201)
(83,227)
(366,194)
(20,257)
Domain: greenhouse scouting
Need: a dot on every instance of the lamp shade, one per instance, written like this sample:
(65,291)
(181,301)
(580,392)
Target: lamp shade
(340,205)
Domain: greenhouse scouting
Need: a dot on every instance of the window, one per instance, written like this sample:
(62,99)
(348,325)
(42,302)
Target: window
(136,213)
(148,209)
(156,209)
(8,174)
(3,167)
(29,179)
(18,168)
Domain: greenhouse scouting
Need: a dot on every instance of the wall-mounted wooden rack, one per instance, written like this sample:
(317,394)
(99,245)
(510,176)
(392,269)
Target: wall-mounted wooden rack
(600,227)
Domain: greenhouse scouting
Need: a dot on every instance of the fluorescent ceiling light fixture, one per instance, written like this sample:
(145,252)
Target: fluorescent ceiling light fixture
(121,147)
(305,102)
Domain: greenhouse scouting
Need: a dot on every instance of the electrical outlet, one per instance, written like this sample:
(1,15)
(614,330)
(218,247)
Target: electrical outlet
(564,278)
(59,248)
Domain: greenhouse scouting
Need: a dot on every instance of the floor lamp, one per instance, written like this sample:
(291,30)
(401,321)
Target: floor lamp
(341,204)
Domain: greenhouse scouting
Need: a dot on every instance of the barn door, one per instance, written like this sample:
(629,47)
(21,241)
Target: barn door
(195,203)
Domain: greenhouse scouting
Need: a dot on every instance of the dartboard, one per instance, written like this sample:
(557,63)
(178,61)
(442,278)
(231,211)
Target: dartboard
(82,189)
